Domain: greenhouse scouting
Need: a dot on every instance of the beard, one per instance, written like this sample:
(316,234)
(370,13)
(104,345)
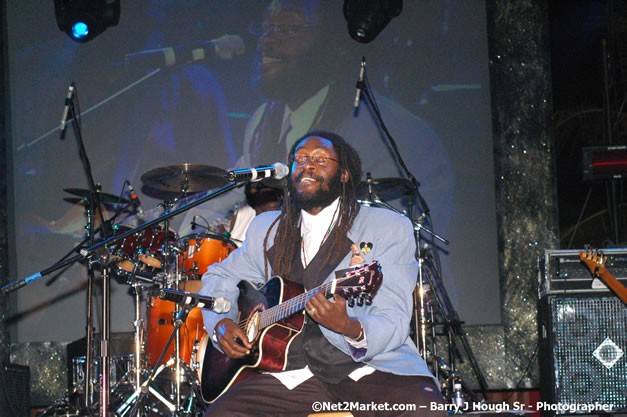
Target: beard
(321,198)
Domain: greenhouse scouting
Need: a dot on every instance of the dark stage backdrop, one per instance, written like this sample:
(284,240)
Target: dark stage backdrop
(428,72)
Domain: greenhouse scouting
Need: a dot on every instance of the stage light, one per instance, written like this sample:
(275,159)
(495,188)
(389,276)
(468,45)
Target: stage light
(367,18)
(83,20)
(80,30)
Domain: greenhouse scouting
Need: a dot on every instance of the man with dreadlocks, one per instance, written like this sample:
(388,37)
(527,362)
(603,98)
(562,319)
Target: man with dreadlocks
(360,354)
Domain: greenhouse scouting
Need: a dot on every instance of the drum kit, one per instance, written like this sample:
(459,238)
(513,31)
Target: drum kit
(159,378)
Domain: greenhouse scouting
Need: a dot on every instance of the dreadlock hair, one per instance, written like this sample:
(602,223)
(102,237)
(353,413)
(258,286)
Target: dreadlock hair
(288,231)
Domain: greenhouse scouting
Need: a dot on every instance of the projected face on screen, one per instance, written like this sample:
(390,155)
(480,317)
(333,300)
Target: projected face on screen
(271,71)
(287,36)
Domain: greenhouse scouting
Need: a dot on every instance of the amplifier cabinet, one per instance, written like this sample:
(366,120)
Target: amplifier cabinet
(562,272)
(583,352)
(14,390)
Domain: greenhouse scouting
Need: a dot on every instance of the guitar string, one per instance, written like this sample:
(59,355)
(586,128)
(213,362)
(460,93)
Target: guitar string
(270,315)
(278,312)
(286,308)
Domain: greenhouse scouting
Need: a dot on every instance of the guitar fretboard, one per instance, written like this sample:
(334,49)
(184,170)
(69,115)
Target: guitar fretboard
(293,305)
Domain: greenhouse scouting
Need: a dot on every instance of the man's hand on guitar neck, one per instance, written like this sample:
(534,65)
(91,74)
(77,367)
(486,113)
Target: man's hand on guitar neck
(333,316)
(232,340)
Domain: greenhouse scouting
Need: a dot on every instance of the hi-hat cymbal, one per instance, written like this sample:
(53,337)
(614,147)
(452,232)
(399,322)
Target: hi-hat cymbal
(104,197)
(185,178)
(384,188)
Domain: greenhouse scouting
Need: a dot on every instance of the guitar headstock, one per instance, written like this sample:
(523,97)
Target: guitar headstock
(360,285)
(594,260)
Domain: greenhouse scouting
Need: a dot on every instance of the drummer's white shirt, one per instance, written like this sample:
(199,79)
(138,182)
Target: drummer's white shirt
(313,230)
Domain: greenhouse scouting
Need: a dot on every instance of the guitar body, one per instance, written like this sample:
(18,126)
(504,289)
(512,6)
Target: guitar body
(219,372)
(271,317)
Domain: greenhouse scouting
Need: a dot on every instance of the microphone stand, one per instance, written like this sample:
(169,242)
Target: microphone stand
(99,252)
(94,207)
(451,316)
(135,83)
(375,108)
(80,245)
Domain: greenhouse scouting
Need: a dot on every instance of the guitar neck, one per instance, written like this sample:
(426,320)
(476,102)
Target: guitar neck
(614,284)
(293,305)
(596,264)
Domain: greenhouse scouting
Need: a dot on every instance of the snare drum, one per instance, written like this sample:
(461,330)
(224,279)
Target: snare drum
(201,250)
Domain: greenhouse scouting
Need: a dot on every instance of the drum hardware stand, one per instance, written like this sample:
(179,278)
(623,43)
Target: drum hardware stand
(145,388)
(138,325)
(452,327)
(167,205)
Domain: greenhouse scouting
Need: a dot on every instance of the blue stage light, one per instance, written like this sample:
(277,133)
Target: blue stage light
(80,30)
(83,20)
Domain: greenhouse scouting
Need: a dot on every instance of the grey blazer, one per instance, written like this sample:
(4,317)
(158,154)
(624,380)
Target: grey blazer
(384,236)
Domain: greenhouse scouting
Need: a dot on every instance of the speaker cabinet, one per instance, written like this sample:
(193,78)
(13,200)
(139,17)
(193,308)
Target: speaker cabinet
(583,352)
(14,390)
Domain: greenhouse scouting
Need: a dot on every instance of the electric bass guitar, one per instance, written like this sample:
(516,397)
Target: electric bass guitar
(595,261)
(271,317)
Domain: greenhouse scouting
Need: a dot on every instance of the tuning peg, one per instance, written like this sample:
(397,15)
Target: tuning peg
(351,302)
(360,300)
(368,299)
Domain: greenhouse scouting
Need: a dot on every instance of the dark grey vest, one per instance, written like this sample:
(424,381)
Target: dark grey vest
(310,347)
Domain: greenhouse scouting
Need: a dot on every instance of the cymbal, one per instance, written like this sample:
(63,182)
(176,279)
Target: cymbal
(104,197)
(185,178)
(384,188)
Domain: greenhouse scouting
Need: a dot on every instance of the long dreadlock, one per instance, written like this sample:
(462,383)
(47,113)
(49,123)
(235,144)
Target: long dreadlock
(288,230)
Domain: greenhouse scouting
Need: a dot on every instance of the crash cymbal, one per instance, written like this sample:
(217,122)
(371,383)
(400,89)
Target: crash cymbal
(384,188)
(104,197)
(185,178)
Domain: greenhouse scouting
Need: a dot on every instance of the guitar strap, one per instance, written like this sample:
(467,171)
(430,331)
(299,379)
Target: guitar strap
(310,347)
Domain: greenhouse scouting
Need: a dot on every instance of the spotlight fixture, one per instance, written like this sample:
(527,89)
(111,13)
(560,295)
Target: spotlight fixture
(367,18)
(83,20)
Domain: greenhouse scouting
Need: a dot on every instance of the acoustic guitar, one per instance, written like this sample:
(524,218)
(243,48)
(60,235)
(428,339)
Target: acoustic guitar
(271,317)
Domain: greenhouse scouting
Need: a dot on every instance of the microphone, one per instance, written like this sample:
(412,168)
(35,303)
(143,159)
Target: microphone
(195,225)
(224,47)
(277,171)
(188,299)
(66,109)
(135,201)
(360,81)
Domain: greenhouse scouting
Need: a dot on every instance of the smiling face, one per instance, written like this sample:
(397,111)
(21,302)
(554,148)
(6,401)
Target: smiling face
(315,185)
